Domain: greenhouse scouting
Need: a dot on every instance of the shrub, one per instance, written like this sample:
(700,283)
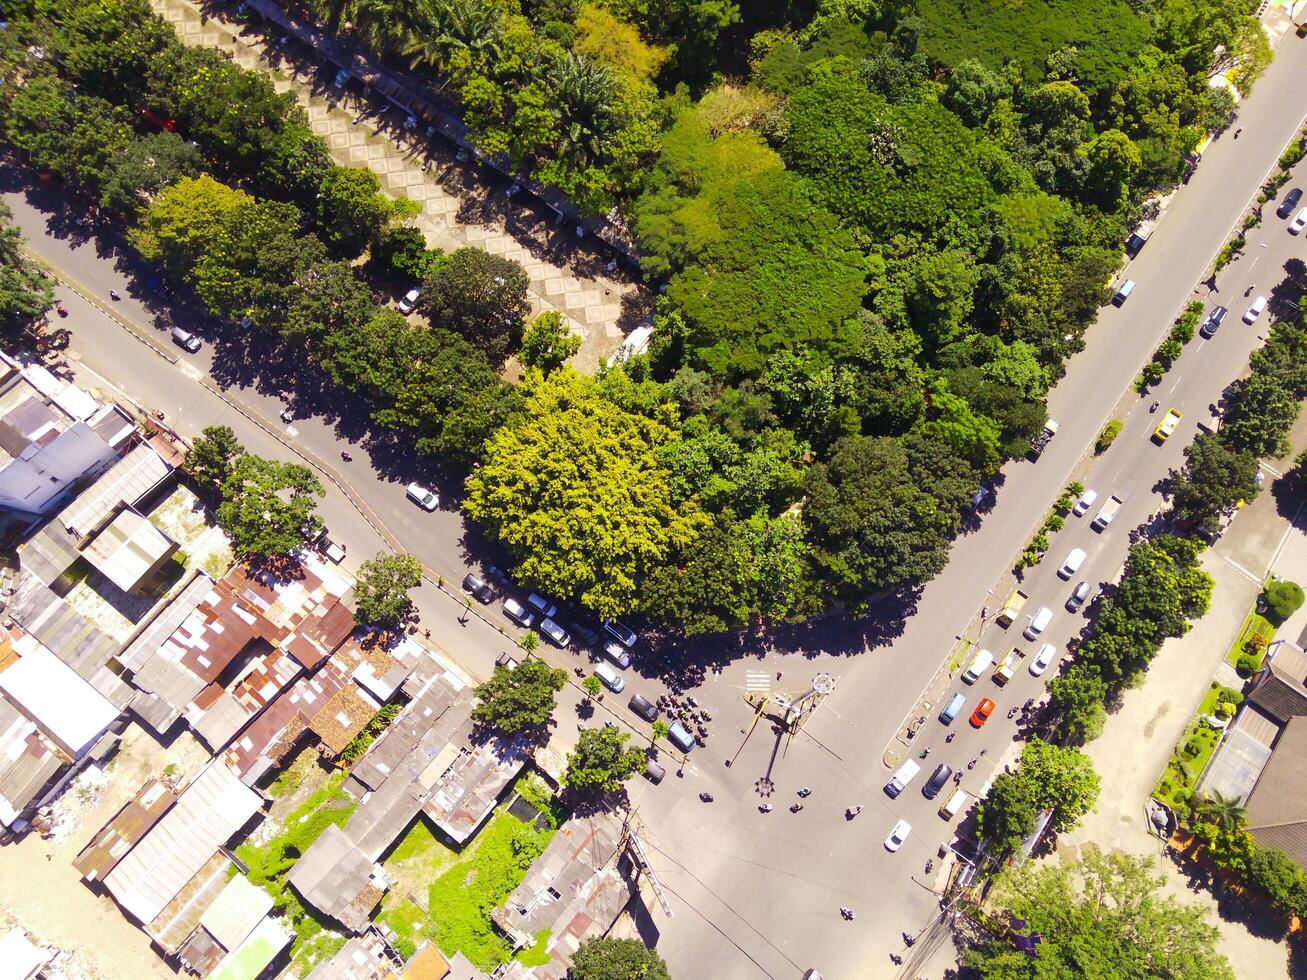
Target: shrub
(1169,351)
(1108,435)
(1282,600)
(1194,747)
(1246,665)
(1224,709)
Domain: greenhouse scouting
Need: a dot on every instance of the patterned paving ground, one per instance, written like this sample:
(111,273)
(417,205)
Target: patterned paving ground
(462,204)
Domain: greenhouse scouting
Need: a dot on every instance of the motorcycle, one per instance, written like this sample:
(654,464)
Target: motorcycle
(706,797)
(853,811)
(61,309)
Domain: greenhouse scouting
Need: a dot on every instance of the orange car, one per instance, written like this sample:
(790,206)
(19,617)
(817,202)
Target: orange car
(982,713)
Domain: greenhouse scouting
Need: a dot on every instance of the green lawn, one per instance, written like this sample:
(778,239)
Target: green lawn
(316,937)
(1254,624)
(1181,774)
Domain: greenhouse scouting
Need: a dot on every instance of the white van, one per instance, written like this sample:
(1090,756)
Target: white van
(1123,293)
(984,660)
(1072,563)
(955,804)
(1038,623)
(902,776)
(610,678)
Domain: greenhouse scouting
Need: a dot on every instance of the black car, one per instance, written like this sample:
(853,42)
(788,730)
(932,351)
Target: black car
(1134,245)
(938,780)
(476,587)
(586,634)
(643,707)
(1290,202)
(1213,321)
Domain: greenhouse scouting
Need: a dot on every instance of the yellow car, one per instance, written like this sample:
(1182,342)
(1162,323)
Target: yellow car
(1163,431)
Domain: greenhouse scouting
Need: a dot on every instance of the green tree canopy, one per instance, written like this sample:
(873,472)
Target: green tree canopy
(1103,917)
(1215,476)
(547,342)
(521,698)
(1049,776)
(143,168)
(268,507)
(24,294)
(212,456)
(617,959)
(601,762)
(575,492)
(352,210)
(382,586)
(182,222)
(481,296)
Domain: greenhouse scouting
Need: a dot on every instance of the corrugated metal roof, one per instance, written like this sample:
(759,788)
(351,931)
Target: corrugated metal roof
(338,880)
(64,706)
(127,827)
(207,814)
(163,625)
(27,762)
(127,481)
(236,912)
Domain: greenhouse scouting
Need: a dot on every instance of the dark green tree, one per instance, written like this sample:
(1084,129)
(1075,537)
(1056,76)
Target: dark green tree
(1260,414)
(617,959)
(268,507)
(519,699)
(1216,476)
(1049,776)
(547,342)
(24,294)
(601,762)
(1076,701)
(481,296)
(381,589)
(143,168)
(73,136)
(212,456)
(352,210)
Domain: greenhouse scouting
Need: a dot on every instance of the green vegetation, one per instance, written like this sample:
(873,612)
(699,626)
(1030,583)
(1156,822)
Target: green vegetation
(601,762)
(382,586)
(519,699)
(1108,435)
(1048,777)
(1253,638)
(1197,744)
(316,937)
(268,507)
(618,959)
(24,294)
(537,954)
(1282,599)
(1103,916)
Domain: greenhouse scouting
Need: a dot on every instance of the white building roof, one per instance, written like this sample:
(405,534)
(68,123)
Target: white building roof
(67,709)
(20,958)
(212,808)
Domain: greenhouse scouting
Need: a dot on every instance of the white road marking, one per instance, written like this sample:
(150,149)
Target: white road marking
(757,680)
(192,372)
(292,431)
(1174,386)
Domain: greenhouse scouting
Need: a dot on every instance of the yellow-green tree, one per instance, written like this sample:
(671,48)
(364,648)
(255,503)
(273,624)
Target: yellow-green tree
(182,221)
(576,493)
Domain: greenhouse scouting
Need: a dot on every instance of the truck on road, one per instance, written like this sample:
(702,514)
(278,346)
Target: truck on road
(1003,673)
(1043,438)
(1011,608)
(1105,515)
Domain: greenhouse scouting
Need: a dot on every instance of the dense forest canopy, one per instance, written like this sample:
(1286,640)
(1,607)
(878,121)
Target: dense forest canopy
(879,231)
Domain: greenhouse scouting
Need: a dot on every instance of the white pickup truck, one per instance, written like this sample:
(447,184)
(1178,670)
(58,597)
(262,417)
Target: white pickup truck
(1105,515)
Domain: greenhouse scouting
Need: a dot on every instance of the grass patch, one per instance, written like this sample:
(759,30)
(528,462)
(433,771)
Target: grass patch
(1255,634)
(406,920)
(1191,756)
(417,842)
(537,954)
(316,936)
(961,653)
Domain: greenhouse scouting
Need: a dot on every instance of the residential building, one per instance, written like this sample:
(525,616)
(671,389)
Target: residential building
(337,879)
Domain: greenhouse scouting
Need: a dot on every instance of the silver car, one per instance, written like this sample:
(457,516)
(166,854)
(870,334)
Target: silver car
(554,633)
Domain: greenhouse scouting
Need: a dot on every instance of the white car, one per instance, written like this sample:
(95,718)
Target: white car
(1254,311)
(410,300)
(1084,503)
(542,605)
(519,614)
(898,835)
(1299,222)
(1072,563)
(554,633)
(420,495)
(1047,653)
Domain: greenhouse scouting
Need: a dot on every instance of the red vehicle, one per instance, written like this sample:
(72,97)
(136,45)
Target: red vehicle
(982,713)
(165,124)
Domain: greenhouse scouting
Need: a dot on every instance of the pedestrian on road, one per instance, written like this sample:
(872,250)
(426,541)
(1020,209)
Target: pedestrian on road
(950,736)
(778,675)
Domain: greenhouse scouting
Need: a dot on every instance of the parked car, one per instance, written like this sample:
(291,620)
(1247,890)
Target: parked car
(643,707)
(497,574)
(331,549)
(982,713)
(186,340)
(617,653)
(422,496)
(1038,623)
(679,736)
(1298,223)
(610,678)
(554,633)
(410,300)
(898,835)
(1047,653)
(583,633)
(1084,503)
(1079,596)
(542,605)
(475,586)
(953,708)
(1254,311)
(622,634)
(506,661)
(1072,563)
(518,613)
(1290,202)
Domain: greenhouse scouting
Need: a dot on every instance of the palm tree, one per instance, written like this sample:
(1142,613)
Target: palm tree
(437,28)
(585,91)
(660,729)
(1223,811)
(530,641)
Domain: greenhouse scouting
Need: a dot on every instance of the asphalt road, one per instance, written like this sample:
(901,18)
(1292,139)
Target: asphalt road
(757,894)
